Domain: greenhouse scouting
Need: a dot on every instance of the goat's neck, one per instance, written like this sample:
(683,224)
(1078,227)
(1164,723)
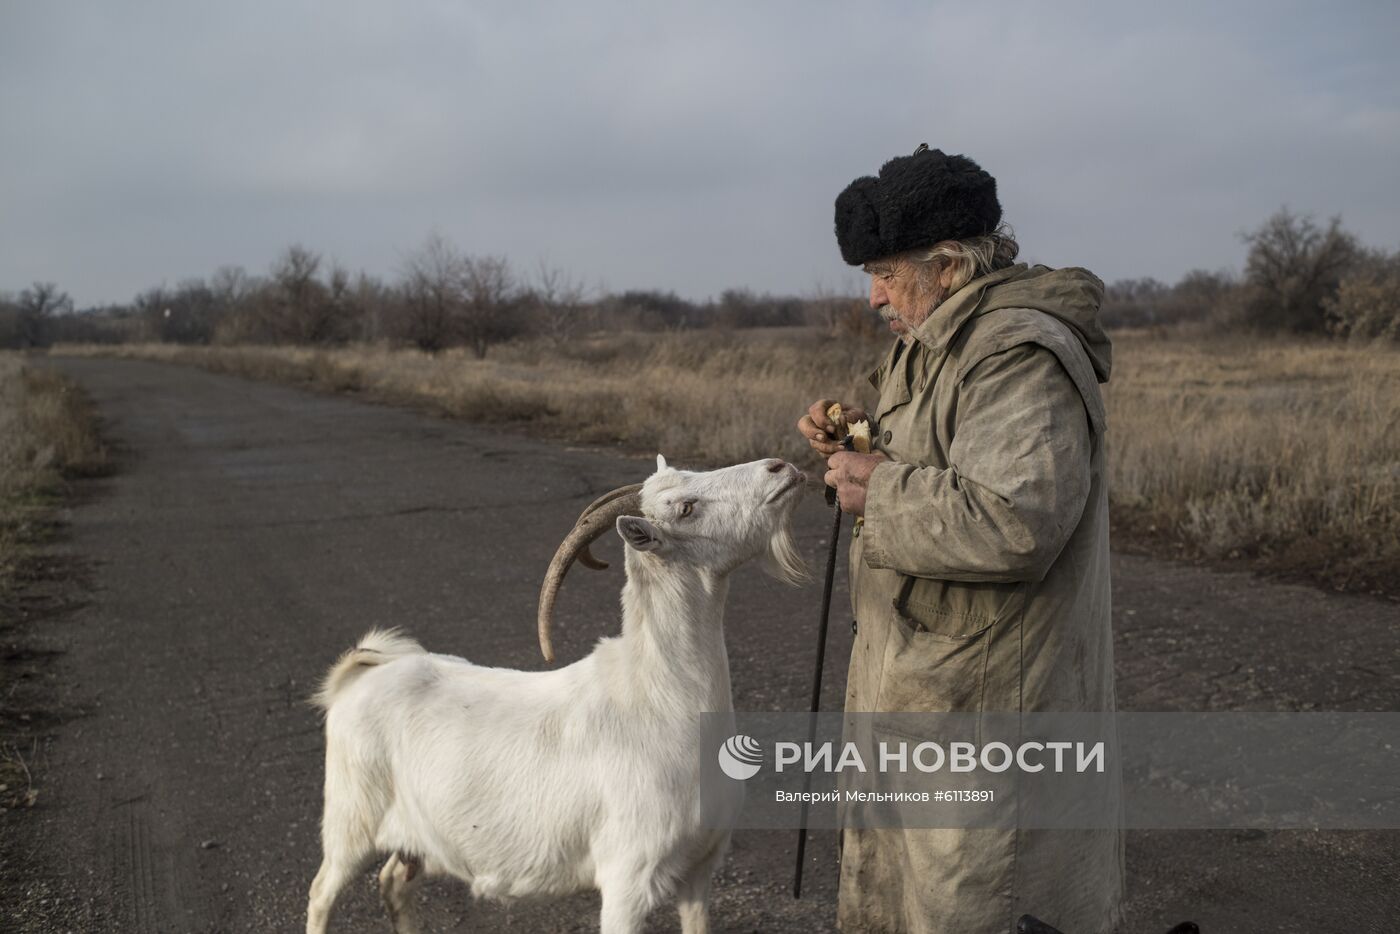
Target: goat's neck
(673,636)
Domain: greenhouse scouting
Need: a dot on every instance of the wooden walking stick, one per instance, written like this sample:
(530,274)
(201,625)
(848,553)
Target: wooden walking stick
(855,437)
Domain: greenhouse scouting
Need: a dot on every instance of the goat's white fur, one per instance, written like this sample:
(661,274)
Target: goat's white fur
(546,783)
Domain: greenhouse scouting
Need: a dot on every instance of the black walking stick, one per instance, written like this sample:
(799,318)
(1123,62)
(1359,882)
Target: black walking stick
(817,685)
(859,442)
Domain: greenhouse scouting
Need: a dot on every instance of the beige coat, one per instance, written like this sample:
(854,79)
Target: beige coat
(980,583)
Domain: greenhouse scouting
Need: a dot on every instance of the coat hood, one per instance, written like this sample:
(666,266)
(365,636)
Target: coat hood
(1072,295)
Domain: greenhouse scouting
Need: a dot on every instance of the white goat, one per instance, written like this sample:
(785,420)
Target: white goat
(552,782)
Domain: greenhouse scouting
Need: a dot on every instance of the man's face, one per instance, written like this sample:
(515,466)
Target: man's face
(903,294)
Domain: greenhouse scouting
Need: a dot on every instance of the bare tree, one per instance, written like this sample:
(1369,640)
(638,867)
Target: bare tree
(232,286)
(490,303)
(559,302)
(1293,266)
(187,314)
(1134,302)
(371,299)
(647,310)
(33,309)
(150,306)
(433,294)
(297,306)
(238,300)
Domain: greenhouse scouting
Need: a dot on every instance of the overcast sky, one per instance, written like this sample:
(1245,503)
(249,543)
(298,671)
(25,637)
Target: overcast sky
(686,146)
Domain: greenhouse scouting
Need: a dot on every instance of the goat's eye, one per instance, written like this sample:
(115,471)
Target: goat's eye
(687,509)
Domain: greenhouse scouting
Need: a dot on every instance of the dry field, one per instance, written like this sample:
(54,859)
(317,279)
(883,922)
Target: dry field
(47,433)
(1281,454)
(1284,454)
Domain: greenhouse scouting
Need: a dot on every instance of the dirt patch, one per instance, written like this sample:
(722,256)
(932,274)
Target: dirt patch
(1332,564)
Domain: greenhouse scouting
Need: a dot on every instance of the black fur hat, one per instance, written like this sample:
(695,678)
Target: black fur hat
(917,201)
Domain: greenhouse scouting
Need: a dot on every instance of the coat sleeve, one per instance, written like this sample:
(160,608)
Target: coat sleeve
(1015,489)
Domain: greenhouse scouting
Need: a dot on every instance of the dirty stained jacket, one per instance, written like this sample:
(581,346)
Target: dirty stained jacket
(980,583)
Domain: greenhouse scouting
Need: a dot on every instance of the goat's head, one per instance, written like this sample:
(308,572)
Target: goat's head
(713,520)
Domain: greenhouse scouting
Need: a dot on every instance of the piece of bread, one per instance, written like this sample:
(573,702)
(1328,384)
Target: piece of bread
(860,436)
(837,418)
(857,433)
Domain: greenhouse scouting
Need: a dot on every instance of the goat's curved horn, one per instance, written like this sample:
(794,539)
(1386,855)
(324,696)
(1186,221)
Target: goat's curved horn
(600,516)
(585,557)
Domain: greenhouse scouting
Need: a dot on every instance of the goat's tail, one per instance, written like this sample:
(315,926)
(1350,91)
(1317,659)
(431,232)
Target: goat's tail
(378,647)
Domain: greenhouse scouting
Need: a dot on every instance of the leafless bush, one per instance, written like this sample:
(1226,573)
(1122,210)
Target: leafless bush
(646,310)
(1203,296)
(106,325)
(741,308)
(492,302)
(860,324)
(432,295)
(295,305)
(1135,303)
(1294,266)
(372,305)
(558,305)
(186,314)
(25,318)
(1367,303)
(448,298)
(1200,296)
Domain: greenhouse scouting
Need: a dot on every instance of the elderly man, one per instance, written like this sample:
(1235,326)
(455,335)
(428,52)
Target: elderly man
(980,572)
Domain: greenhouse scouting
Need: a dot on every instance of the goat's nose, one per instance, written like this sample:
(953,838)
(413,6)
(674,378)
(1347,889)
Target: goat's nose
(775,465)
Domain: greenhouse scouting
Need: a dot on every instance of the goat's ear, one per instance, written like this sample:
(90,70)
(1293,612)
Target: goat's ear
(660,462)
(638,533)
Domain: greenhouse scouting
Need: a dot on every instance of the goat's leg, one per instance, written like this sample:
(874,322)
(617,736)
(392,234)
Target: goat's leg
(346,838)
(625,907)
(693,895)
(330,879)
(693,900)
(398,884)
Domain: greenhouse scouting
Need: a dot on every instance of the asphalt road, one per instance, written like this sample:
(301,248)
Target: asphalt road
(253,531)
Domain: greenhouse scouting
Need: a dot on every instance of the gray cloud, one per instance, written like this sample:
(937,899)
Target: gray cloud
(695,149)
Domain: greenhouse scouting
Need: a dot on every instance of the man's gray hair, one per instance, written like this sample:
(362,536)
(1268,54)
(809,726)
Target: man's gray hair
(970,258)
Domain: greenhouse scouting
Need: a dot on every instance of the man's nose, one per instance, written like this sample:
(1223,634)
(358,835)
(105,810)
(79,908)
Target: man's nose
(877,294)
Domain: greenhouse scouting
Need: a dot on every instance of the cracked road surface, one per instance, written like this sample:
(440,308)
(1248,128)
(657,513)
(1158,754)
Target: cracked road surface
(252,532)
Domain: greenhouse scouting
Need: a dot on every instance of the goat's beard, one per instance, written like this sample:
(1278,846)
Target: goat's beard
(783,561)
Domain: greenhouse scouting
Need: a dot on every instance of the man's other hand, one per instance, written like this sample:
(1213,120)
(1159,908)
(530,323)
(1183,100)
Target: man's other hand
(820,433)
(849,473)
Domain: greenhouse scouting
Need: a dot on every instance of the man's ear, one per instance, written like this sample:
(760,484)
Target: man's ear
(948,270)
(638,533)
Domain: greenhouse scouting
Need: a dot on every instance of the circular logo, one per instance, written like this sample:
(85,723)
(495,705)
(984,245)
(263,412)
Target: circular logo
(740,757)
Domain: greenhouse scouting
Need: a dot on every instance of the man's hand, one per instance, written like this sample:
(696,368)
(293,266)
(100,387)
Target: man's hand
(849,473)
(818,429)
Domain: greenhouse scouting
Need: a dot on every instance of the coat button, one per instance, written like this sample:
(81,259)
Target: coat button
(886,437)
(853,627)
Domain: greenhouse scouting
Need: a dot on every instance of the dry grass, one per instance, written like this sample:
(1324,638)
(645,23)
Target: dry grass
(698,397)
(47,433)
(1285,454)
(1281,452)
